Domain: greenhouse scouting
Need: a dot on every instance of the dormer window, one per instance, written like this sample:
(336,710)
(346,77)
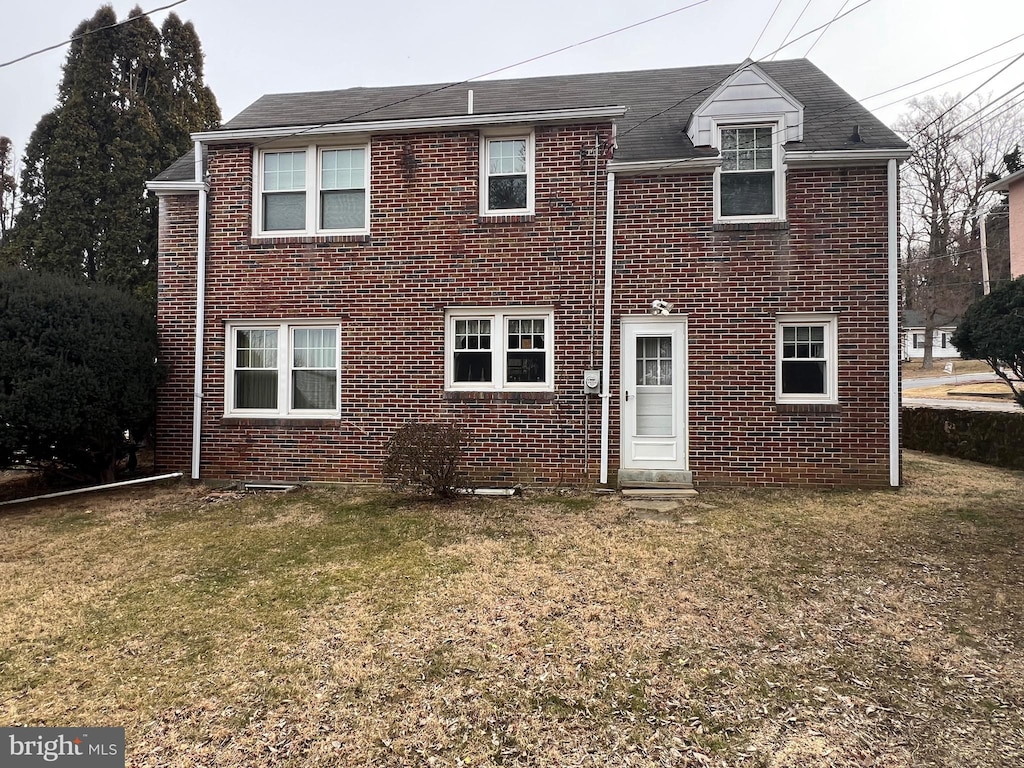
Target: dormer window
(748,171)
(749,185)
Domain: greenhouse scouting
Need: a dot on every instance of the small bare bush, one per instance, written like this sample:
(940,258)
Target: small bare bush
(427,455)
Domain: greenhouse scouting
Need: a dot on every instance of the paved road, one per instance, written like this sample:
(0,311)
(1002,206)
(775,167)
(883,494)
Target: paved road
(961,404)
(957,403)
(944,378)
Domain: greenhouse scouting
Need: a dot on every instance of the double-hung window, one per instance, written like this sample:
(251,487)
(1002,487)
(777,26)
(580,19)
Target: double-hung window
(506,174)
(312,190)
(806,359)
(499,349)
(284,191)
(282,369)
(749,183)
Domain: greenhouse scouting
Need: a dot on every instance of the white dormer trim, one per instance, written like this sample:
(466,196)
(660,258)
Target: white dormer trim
(748,95)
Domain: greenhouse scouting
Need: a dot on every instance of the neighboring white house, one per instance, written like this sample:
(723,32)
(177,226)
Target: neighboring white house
(913,341)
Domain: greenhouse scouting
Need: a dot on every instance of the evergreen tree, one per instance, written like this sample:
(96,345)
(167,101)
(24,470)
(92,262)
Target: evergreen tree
(129,98)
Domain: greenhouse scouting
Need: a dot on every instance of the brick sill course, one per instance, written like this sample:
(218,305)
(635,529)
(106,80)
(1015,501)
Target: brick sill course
(507,397)
(789,408)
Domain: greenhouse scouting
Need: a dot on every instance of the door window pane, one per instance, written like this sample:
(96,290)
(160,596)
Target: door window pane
(654,360)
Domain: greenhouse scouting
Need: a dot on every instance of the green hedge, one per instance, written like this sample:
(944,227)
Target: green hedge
(991,437)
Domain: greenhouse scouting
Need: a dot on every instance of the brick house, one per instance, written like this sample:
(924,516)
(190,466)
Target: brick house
(626,278)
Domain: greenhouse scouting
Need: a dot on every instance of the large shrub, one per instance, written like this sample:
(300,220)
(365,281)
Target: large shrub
(78,372)
(992,329)
(427,455)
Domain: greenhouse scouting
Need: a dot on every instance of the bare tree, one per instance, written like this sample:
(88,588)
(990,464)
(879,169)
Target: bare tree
(7,186)
(956,149)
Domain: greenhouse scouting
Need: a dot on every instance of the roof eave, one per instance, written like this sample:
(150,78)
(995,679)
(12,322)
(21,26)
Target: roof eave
(177,187)
(666,165)
(411,124)
(834,157)
(1003,185)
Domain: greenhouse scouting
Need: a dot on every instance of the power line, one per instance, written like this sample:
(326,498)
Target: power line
(529,60)
(944,69)
(722,80)
(826,25)
(790,32)
(90,32)
(811,48)
(962,100)
(764,29)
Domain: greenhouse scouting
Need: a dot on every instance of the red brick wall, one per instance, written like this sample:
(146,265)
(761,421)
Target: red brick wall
(429,250)
(731,285)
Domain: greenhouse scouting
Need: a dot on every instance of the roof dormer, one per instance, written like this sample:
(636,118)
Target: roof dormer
(744,96)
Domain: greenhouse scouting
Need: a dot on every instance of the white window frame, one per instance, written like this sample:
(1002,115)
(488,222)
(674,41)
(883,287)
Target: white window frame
(314,155)
(829,321)
(777,125)
(485,161)
(285,342)
(498,317)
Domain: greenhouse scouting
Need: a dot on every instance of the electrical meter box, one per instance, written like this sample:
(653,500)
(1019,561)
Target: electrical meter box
(592,382)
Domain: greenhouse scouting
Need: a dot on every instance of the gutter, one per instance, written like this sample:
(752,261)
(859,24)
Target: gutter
(841,157)
(197,374)
(894,351)
(678,165)
(606,342)
(410,124)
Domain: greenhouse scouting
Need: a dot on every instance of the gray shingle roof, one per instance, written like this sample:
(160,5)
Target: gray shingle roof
(659,104)
(913,318)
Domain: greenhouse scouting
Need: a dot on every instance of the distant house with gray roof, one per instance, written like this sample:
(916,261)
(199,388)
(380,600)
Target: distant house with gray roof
(653,279)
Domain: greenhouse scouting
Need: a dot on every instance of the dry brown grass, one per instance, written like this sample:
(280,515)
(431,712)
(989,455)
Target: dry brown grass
(761,628)
(978,390)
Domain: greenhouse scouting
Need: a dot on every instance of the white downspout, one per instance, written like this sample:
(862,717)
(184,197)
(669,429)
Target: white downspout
(197,376)
(606,343)
(894,358)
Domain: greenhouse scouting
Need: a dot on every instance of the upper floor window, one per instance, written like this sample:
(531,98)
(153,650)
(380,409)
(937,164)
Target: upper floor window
(749,183)
(499,349)
(806,359)
(313,190)
(282,369)
(506,183)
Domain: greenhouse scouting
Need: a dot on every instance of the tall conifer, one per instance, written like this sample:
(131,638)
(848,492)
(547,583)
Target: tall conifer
(129,98)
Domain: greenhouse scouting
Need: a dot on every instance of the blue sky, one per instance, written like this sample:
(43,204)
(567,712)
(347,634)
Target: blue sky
(269,46)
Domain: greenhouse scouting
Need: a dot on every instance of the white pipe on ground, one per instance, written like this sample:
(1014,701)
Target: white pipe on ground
(104,487)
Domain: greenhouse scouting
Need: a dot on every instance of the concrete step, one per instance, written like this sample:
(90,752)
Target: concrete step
(657,493)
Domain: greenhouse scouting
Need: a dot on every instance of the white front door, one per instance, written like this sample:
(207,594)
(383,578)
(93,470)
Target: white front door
(653,396)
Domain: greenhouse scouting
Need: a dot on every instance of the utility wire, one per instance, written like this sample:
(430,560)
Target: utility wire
(72,39)
(826,25)
(811,48)
(723,79)
(529,60)
(764,29)
(962,100)
(790,32)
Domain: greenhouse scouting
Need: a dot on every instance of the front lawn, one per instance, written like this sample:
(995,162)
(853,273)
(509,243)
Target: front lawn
(336,628)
